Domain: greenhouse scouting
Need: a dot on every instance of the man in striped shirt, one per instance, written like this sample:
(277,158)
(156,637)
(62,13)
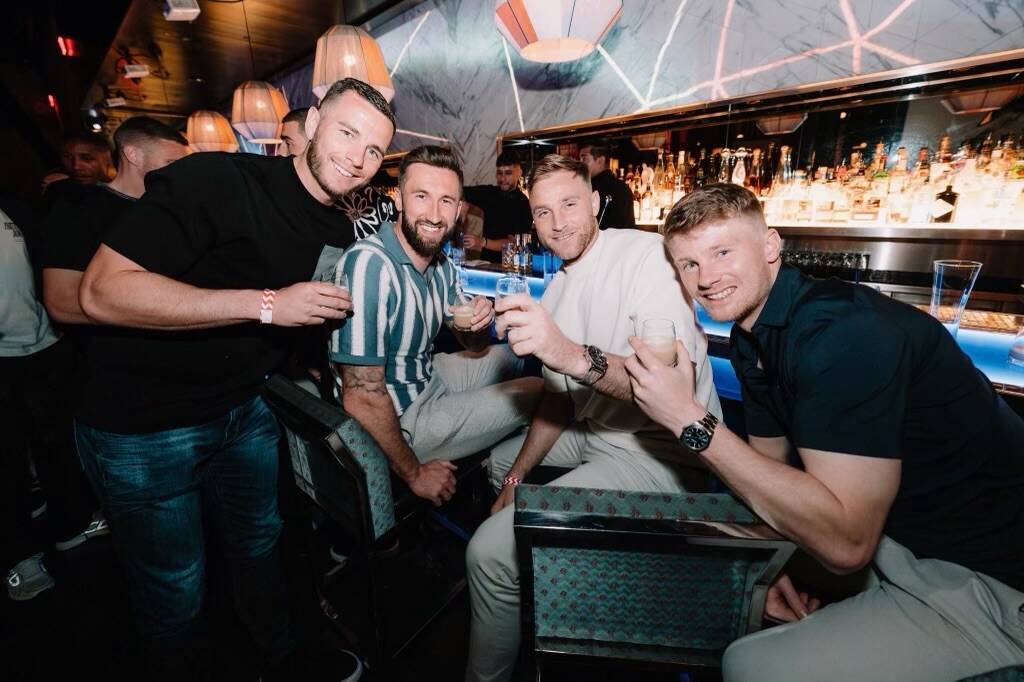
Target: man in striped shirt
(424,410)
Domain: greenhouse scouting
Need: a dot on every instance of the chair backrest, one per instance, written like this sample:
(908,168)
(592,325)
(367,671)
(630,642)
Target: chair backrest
(1012,674)
(335,461)
(663,578)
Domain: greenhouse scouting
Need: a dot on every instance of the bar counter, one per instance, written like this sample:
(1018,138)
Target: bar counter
(987,349)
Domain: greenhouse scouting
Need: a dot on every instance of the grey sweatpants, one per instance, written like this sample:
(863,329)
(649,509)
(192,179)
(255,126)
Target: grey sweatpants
(473,400)
(918,619)
(492,566)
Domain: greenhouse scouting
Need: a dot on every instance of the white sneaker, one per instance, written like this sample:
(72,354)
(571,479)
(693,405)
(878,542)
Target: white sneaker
(28,578)
(97,527)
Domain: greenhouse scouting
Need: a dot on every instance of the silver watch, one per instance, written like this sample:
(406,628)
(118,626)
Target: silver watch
(598,365)
(697,436)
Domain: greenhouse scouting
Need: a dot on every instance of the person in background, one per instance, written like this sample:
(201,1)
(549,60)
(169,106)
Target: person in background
(215,260)
(293,133)
(909,461)
(32,418)
(615,199)
(506,209)
(424,409)
(74,228)
(585,422)
(85,160)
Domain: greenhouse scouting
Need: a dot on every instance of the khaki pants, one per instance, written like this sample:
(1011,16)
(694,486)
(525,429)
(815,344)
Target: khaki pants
(492,566)
(918,619)
(473,400)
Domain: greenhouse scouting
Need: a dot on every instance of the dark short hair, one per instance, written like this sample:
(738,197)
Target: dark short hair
(297,116)
(506,159)
(94,140)
(140,129)
(367,92)
(597,151)
(431,155)
(553,163)
(710,203)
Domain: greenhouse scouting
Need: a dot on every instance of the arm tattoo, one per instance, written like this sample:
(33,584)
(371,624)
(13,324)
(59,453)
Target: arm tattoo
(368,379)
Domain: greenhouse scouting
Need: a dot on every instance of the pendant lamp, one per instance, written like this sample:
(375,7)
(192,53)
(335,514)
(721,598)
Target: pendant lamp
(257,110)
(553,31)
(349,52)
(209,131)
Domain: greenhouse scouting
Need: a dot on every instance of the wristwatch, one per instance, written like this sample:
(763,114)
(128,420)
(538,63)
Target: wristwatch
(697,436)
(598,365)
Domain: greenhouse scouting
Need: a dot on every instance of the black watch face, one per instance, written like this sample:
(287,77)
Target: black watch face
(696,439)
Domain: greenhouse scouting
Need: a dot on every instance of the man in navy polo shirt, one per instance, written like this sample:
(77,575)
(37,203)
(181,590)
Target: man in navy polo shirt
(909,460)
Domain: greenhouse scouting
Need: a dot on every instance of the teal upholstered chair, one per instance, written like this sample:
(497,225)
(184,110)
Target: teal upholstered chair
(648,579)
(342,470)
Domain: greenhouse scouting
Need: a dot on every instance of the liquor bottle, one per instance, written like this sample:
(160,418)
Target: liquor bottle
(622,174)
(900,167)
(728,161)
(670,172)
(629,174)
(739,171)
(703,169)
(636,198)
(785,172)
(944,205)
(922,169)
(659,172)
(754,175)
(842,172)
(985,152)
(945,153)
(647,205)
(880,162)
(767,173)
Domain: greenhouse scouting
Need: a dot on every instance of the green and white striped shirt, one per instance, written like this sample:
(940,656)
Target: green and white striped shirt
(396,313)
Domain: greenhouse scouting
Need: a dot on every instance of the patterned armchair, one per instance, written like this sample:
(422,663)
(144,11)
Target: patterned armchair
(640,578)
(340,467)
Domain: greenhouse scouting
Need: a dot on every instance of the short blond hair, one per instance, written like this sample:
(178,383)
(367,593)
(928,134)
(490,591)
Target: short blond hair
(711,203)
(554,163)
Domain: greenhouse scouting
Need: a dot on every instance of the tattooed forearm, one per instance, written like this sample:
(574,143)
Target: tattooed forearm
(368,379)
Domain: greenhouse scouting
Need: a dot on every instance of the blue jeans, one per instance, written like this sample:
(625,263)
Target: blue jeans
(153,488)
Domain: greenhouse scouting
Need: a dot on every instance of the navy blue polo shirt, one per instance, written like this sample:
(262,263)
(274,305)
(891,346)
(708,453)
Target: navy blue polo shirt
(846,369)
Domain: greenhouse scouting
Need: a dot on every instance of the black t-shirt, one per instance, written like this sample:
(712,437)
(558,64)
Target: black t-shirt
(76,223)
(849,370)
(215,221)
(616,201)
(505,213)
(367,209)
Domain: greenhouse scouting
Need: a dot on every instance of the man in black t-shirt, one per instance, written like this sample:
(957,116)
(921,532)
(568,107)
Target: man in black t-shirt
(910,460)
(72,232)
(216,260)
(616,201)
(506,209)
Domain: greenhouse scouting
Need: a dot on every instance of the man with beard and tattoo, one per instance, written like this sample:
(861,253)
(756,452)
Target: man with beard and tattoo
(422,409)
(215,260)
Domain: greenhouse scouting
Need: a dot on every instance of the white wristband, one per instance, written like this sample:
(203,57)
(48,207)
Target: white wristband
(267,307)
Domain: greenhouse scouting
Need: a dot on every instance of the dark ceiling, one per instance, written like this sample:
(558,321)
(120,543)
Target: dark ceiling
(196,65)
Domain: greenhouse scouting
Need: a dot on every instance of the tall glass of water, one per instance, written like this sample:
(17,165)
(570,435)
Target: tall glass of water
(951,287)
(1017,349)
(510,285)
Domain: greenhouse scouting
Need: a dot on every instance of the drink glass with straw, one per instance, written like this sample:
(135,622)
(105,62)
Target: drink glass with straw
(659,335)
(462,311)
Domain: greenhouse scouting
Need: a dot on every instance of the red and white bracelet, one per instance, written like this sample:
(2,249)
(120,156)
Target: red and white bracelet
(511,480)
(267,307)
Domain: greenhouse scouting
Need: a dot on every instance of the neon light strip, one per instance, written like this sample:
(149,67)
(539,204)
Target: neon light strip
(722,36)
(664,48)
(618,71)
(408,42)
(515,88)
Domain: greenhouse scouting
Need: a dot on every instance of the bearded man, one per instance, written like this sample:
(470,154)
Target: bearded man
(214,262)
(424,410)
